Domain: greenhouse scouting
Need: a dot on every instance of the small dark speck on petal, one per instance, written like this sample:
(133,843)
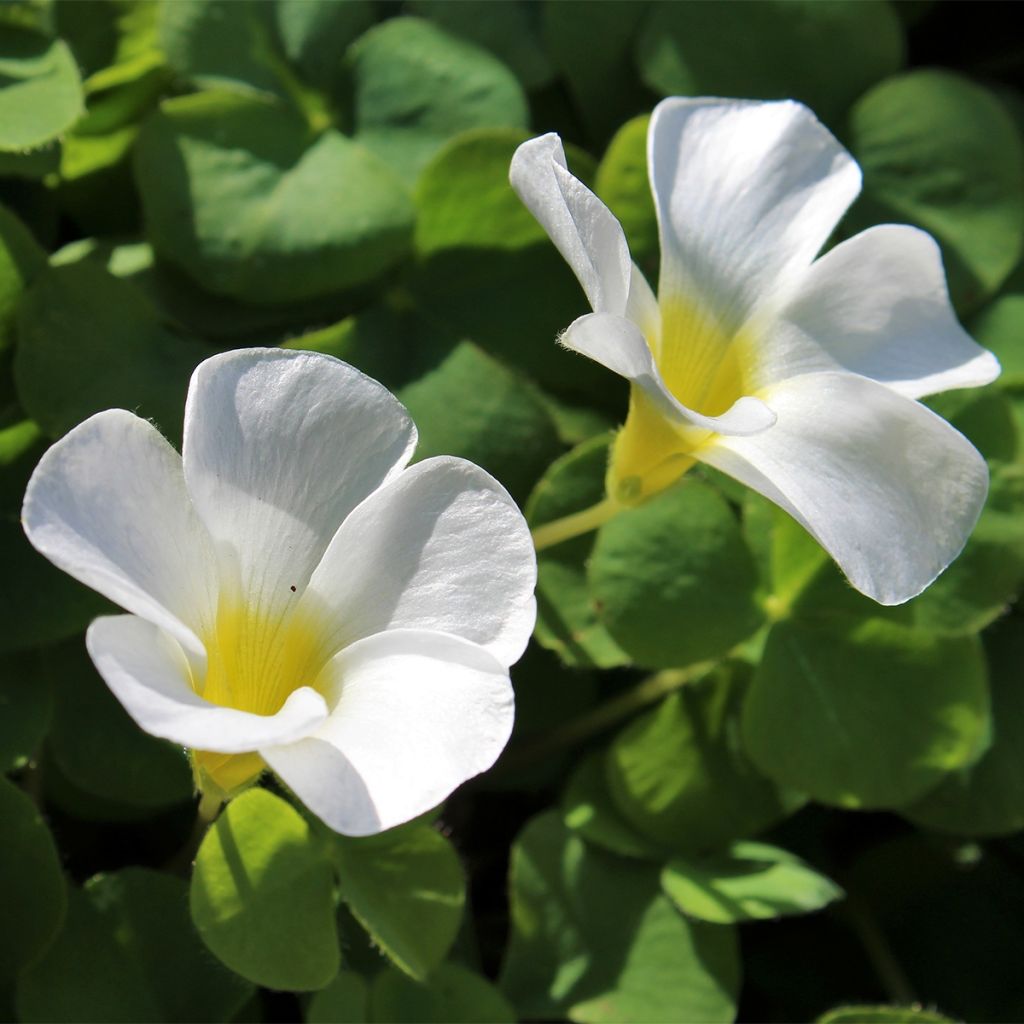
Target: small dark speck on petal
(292,588)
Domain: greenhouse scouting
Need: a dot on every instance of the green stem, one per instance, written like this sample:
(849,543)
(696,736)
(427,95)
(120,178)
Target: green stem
(558,530)
(206,812)
(604,716)
(888,969)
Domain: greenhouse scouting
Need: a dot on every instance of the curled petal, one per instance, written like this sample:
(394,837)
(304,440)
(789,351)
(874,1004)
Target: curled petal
(149,675)
(888,488)
(877,304)
(583,229)
(418,714)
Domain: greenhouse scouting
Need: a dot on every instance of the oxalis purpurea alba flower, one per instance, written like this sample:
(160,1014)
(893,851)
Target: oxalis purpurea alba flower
(798,376)
(299,597)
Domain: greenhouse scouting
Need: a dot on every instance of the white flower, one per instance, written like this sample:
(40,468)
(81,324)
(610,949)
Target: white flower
(298,597)
(796,376)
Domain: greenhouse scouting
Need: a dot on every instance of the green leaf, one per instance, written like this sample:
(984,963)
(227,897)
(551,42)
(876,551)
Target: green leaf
(88,341)
(39,604)
(40,89)
(346,1000)
(451,995)
(989,573)
(507,28)
(987,798)
(488,272)
(679,775)
(217,43)
(415,86)
(128,952)
(472,406)
(21,258)
(1000,328)
(261,895)
(673,580)
(408,889)
(588,809)
(464,200)
(822,53)
(594,53)
(32,888)
(26,706)
(827,691)
(622,182)
(99,747)
(567,621)
(882,1015)
(942,153)
(593,939)
(749,882)
(244,198)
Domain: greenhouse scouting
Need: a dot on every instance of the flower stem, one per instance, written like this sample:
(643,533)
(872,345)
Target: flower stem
(206,812)
(548,534)
(605,715)
(888,969)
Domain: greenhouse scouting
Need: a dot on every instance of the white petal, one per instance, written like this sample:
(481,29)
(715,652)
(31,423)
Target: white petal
(107,504)
(746,193)
(150,677)
(442,547)
(888,488)
(615,342)
(419,713)
(878,305)
(279,447)
(583,229)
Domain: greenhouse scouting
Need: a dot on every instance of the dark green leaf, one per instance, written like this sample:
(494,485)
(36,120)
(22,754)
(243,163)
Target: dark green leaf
(593,939)
(451,995)
(26,705)
(828,691)
(679,775)
(407,888)
(672,579)
(32,888)
(942,153)
(346,1000)
(823,52)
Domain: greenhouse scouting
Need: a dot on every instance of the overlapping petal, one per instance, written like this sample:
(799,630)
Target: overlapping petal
(618,343)
(876,305)
(888,488)
(417,714)
(747,194)
(108,505)
(150,676)
(279,447)
(442,547)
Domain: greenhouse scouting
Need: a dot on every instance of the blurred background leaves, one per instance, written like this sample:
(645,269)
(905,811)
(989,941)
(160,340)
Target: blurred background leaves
(736,788)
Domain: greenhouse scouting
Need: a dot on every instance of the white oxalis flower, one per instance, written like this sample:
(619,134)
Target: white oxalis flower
(797,376)
(298,597)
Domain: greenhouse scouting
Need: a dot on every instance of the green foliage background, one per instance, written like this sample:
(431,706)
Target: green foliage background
(736,788)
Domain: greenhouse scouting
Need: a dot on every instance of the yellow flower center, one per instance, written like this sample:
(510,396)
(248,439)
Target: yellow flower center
(254,662)
(707,369)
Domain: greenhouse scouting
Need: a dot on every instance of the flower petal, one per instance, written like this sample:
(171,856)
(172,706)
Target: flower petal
(442,547)
(107,504)
(888,488)
(583,229)
(746,193)
(279,447)
(615,342)
(877,305)
(149,675)
(418,714)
